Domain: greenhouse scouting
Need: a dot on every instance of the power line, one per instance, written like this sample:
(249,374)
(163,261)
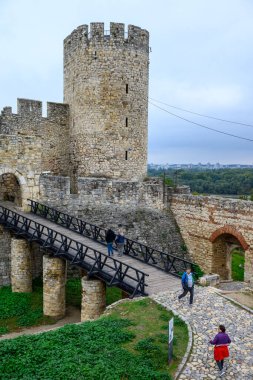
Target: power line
(203,115)
(201,125)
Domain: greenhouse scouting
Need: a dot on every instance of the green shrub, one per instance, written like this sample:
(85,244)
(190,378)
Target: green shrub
(22,309)
(150,351)
(162,338)
(113,294)
(178,321)
(183,247)
(31,318)
(74,292)
(13,304)
(237,265)
(197,271)
(91,350)
(4,330)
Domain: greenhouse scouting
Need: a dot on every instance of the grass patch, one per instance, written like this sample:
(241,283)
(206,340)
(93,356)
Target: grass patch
(129,344)
(74,292)
(4,330)
(20,310)
(238,260)
(151,331)
(113,294)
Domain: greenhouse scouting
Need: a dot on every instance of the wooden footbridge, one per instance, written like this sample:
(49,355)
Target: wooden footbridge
(142,270)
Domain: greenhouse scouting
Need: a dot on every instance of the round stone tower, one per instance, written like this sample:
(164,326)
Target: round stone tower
(106,87)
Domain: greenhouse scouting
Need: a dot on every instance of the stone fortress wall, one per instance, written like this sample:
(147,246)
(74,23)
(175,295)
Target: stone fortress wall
(106,87)
(211,227)
(88,157)
(138,206)
(31,144)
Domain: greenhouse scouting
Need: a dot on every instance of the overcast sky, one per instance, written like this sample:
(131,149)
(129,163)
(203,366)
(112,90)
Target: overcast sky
(201,60)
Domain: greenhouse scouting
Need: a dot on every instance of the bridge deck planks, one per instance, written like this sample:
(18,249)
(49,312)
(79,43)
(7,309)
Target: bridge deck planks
(157,281)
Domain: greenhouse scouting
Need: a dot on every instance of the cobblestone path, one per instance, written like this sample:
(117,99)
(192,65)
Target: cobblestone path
(208,311)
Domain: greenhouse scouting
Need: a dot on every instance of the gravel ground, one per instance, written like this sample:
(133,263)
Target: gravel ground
(208,311)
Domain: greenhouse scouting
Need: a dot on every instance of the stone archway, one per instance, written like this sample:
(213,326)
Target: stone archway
(10,189)
(13,187)
(224,240)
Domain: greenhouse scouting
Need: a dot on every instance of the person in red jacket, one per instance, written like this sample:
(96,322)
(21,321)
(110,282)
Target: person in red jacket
(221,342)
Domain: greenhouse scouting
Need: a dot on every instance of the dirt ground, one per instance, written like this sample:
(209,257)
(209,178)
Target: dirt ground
(236,290)
(245,298)
(73,315)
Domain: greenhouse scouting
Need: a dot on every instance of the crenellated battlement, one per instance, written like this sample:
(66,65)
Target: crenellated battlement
(29,108)
(96,35)
(58,112)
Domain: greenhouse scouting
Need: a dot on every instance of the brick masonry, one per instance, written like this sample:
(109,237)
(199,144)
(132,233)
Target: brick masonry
(209,225)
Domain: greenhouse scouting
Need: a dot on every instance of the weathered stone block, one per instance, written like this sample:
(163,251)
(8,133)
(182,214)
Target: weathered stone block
(54,279)
(93,298)
(21,266)
(209,280)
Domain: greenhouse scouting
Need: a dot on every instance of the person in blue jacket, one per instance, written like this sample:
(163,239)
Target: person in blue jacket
(120,241)
(188,284)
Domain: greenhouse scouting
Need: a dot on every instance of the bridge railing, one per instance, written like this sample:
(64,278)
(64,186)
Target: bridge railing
(165,261)
(98,264)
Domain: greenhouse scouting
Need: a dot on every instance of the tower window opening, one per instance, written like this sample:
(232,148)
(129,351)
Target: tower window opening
(127,88)
(126,155)
(126,121)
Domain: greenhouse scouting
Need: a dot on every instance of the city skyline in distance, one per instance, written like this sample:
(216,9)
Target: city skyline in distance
(207,165)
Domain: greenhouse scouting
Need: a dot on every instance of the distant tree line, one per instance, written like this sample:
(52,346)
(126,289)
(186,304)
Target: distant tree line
(218,181)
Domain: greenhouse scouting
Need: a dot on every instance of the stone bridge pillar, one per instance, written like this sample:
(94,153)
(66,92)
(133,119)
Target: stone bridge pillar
(54,279)
(93,298)
(21,266)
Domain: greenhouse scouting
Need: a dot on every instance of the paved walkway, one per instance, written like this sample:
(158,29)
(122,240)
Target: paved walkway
(210,310)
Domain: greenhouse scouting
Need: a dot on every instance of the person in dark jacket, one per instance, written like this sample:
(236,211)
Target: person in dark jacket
(187,284)
(109,238)
(221,342)
(120,241)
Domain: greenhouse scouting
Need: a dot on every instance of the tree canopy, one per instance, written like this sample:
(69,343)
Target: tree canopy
(218,181)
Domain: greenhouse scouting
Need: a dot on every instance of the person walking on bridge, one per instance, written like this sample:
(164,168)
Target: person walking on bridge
(187,284)
(221,342)
(120,240)
(109,238)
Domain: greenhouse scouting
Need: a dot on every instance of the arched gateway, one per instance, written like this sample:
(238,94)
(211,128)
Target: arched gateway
(13,186)
(224,241)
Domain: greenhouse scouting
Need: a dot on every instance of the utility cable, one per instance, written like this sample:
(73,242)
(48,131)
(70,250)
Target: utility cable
(203,115)
(201,125)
